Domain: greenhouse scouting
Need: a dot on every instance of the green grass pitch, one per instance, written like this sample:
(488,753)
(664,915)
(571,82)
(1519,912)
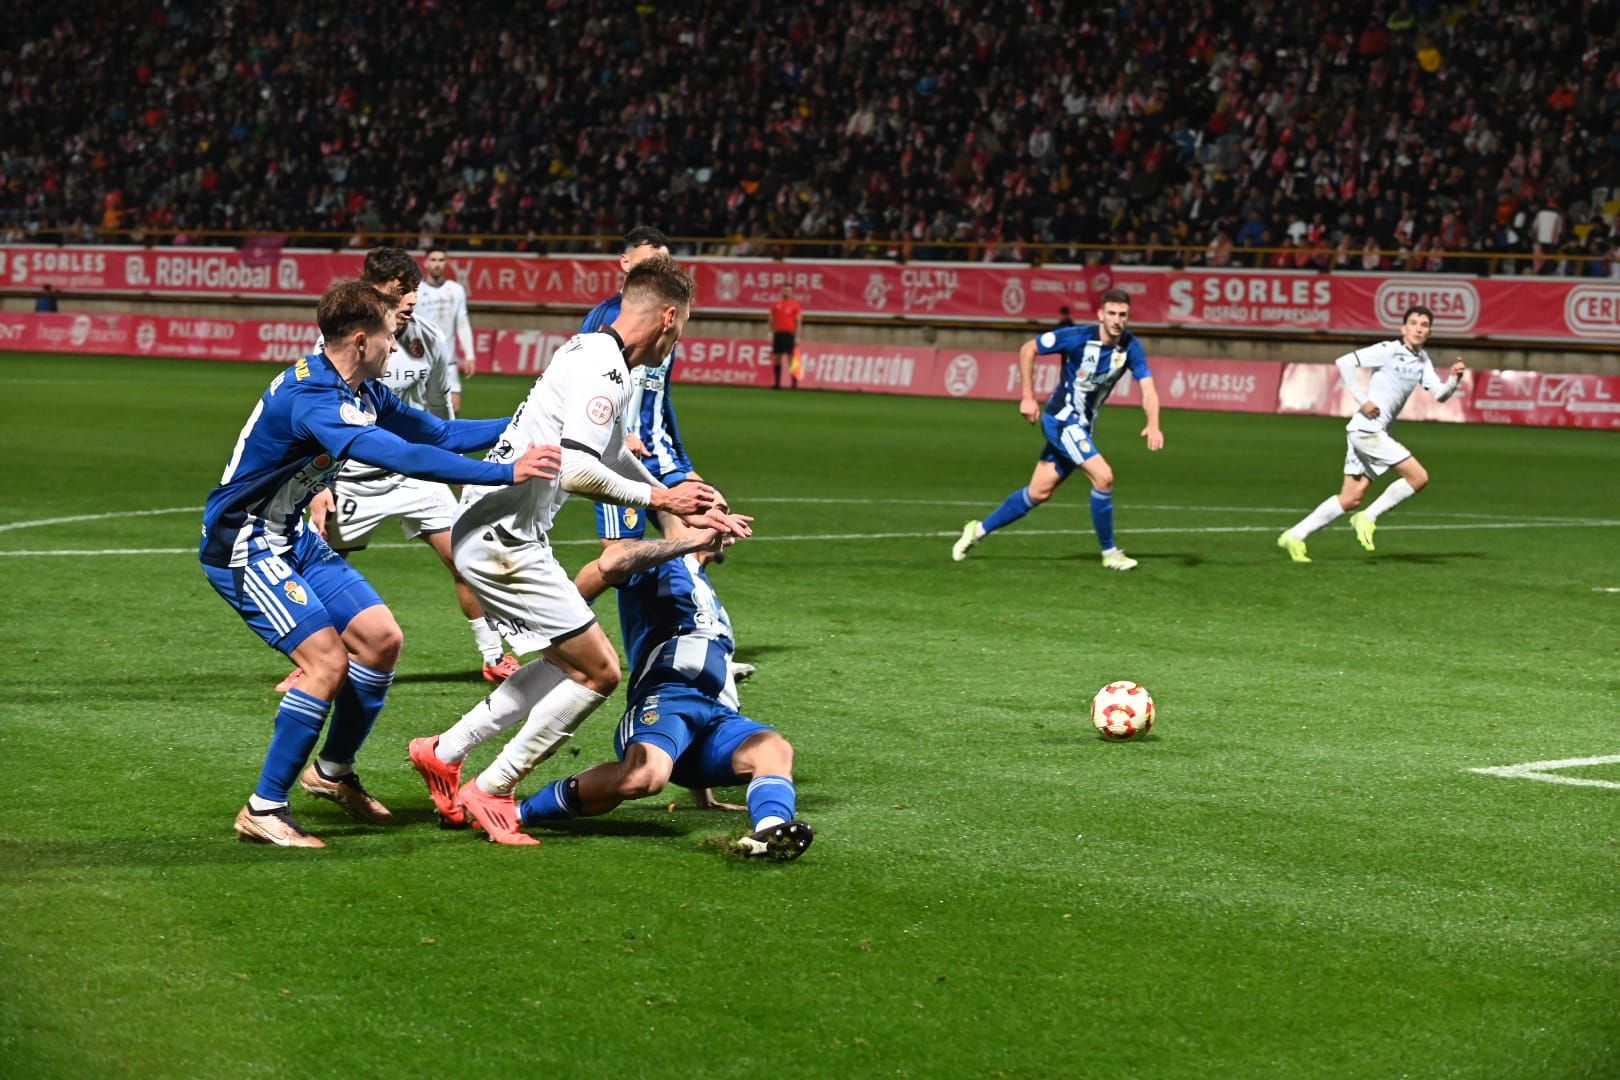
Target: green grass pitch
(1296,875)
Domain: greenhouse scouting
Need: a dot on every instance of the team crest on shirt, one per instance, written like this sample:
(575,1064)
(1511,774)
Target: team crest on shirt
(353,414)
(295,592)
(599,410)
(649,717)
(416,349)
(630,517)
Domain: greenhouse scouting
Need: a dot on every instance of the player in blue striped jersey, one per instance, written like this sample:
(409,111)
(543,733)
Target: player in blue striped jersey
(288,585)
(683,722)
(1095,359)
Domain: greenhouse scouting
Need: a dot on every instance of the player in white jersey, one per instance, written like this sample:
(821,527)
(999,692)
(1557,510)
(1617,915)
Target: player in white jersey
(502,551)
(442,301)
(364,496)
(1398,367)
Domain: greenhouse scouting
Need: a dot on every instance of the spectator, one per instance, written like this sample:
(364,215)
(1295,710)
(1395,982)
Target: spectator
(46,300)
(875,116)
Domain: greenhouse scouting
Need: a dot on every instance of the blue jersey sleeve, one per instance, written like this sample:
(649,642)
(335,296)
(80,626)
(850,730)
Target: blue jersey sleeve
(457,436)
(374,446)
(324,417)
(601,315)
(1136,356)
(1056,341)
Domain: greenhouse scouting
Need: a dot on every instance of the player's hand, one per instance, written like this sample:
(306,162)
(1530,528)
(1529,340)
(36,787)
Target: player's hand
(1458,369)
(1030,409)
(634,444)
(469,368)
(1154,437)
(543,461)
(687,497)
(733,526)
(703,799)
(1370,410)
(321,507)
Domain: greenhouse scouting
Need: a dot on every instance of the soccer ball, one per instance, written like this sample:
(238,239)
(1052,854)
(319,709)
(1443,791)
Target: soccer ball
(1122,710)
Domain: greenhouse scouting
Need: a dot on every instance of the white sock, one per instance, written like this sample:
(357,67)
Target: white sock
(768,823)
(333,769)
(978,530)
(261,805)
(488,640)
(1393,496)
(1329,512)
(549,725)
(506,705)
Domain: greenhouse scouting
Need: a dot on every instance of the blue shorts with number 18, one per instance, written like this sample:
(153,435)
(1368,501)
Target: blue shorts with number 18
(1068,444)
(286,598)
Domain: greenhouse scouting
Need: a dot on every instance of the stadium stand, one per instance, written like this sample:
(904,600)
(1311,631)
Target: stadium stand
(1389,136)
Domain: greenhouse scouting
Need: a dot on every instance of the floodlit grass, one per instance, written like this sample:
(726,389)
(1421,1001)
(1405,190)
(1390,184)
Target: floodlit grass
(1295,875)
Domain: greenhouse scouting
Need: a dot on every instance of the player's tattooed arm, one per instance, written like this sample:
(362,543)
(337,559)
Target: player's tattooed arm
(621,562)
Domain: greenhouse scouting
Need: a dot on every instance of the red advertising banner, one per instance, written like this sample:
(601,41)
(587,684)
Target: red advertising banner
(1500,397)
(1512,308)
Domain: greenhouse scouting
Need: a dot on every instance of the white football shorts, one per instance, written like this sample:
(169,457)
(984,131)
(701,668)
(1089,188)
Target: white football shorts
(1372,453)
(422,506)
(526,593)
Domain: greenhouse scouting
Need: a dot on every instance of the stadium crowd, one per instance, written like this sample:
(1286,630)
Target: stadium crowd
(1387,135)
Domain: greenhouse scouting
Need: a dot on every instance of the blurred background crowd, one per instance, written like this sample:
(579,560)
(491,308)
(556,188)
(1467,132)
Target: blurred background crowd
(1389,135)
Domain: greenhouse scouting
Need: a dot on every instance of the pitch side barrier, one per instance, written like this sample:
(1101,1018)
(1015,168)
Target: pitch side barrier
(1500,397)
(1568,311)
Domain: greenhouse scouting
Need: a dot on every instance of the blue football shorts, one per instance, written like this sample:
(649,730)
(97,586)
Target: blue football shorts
(628,522)
(698,732)
(286,598)
(1068,444)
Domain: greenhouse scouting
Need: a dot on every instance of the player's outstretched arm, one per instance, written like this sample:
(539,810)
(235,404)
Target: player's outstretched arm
(375,446)
(1150,408)
(623,561)
(456,436)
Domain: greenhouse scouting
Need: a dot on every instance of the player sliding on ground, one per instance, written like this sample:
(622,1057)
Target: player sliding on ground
(1398,367)
(683,722)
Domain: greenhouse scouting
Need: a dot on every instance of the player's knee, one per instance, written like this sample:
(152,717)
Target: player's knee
(1038,494)
(643,780)
(384,643)
(1349,500)
(1418,478)
(1103,481)
(602,678)
(766,754)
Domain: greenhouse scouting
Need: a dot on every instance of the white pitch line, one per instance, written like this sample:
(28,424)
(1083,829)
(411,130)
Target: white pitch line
(1514,522)
(76,518)
(928,535)
(1547,771)
(1605,588)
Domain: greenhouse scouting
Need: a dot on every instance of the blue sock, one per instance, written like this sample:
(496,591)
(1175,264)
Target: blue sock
(771,796)
(1011,509)
(1102,517)
(298,725)
(559,800)
(356,710)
